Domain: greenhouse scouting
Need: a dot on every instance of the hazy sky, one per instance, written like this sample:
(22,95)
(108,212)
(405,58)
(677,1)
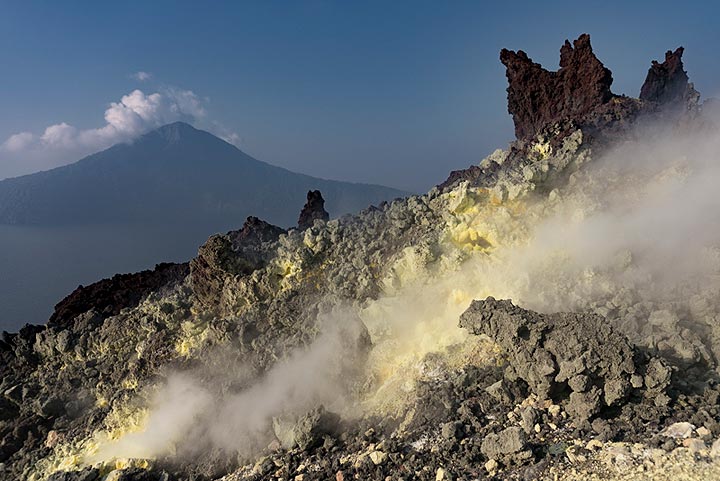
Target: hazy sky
(397,93)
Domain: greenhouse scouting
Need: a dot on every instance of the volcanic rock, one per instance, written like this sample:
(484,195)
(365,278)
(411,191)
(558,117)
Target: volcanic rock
(307,430)
(260,294)
(538,98)
(679,430)
(580,357)
(668,83)
(88,474)
(313,209)
(109,296)
(508,446)
(715,449)
(52,407)
(236,253)
(253,233)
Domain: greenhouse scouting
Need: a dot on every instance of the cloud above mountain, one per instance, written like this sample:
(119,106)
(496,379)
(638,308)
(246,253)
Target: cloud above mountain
(141,76)
(134,114)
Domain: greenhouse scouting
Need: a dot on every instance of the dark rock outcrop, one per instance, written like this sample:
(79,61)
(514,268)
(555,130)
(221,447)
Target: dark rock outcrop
(307,430)
(480,176)
(510,446)
(668,83)
(236,253)
(578,357)
(549,106)
(313,209)
(254,233)
(109,296)
(538,98)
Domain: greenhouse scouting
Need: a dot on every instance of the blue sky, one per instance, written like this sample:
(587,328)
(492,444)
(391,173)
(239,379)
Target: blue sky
(398,93)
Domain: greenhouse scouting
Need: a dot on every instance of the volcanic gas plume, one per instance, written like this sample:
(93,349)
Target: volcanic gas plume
(614,241)
(335,347)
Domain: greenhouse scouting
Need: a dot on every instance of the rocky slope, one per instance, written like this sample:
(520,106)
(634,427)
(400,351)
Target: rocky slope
(333,350)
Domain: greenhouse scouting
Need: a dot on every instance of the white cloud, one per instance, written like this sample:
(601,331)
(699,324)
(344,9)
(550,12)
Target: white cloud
(18,142)
(142,76)
(134,114)
(232,138)
(61,136)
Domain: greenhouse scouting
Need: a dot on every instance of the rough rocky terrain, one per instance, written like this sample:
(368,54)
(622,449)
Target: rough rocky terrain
(367,347)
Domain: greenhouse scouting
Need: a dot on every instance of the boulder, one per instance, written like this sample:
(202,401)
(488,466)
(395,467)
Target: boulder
(509,446)
(579,359)
(307,430)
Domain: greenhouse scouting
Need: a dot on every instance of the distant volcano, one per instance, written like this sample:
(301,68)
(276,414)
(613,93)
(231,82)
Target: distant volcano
(173,174)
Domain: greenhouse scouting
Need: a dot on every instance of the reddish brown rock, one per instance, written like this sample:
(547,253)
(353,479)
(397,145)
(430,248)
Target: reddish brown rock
(553,105)
(109,296)
(313,209)
(254,231)
(538,98)
(667,82)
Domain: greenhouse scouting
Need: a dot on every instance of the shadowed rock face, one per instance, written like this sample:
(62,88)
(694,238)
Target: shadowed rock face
(236,253)
(548,107)
(667,82)
(578,357)
(254,230)
(538,98)
(243,251)
(313,209)
(109,296)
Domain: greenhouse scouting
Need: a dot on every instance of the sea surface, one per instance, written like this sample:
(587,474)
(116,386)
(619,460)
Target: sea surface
(41,265)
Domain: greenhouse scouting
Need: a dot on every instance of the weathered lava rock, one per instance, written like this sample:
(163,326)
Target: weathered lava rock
(509,446)
(579,359)
(109,296)
(307,430)
(254,232)
(667,82)
(538,98)
(477,175)
(313,209)
(236,253)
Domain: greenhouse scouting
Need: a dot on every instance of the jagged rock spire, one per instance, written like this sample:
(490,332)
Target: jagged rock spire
(313,209)
(549,106)
(537,98)
(667,82)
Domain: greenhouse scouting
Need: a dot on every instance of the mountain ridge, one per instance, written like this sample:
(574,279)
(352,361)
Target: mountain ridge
(166,174)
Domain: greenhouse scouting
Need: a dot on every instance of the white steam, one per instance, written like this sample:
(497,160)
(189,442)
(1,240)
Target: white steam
(134,114)
(642,218)
(634,236)
(191,417)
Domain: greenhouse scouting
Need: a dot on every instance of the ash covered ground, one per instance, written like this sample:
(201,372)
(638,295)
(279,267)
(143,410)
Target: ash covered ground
(550,313)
